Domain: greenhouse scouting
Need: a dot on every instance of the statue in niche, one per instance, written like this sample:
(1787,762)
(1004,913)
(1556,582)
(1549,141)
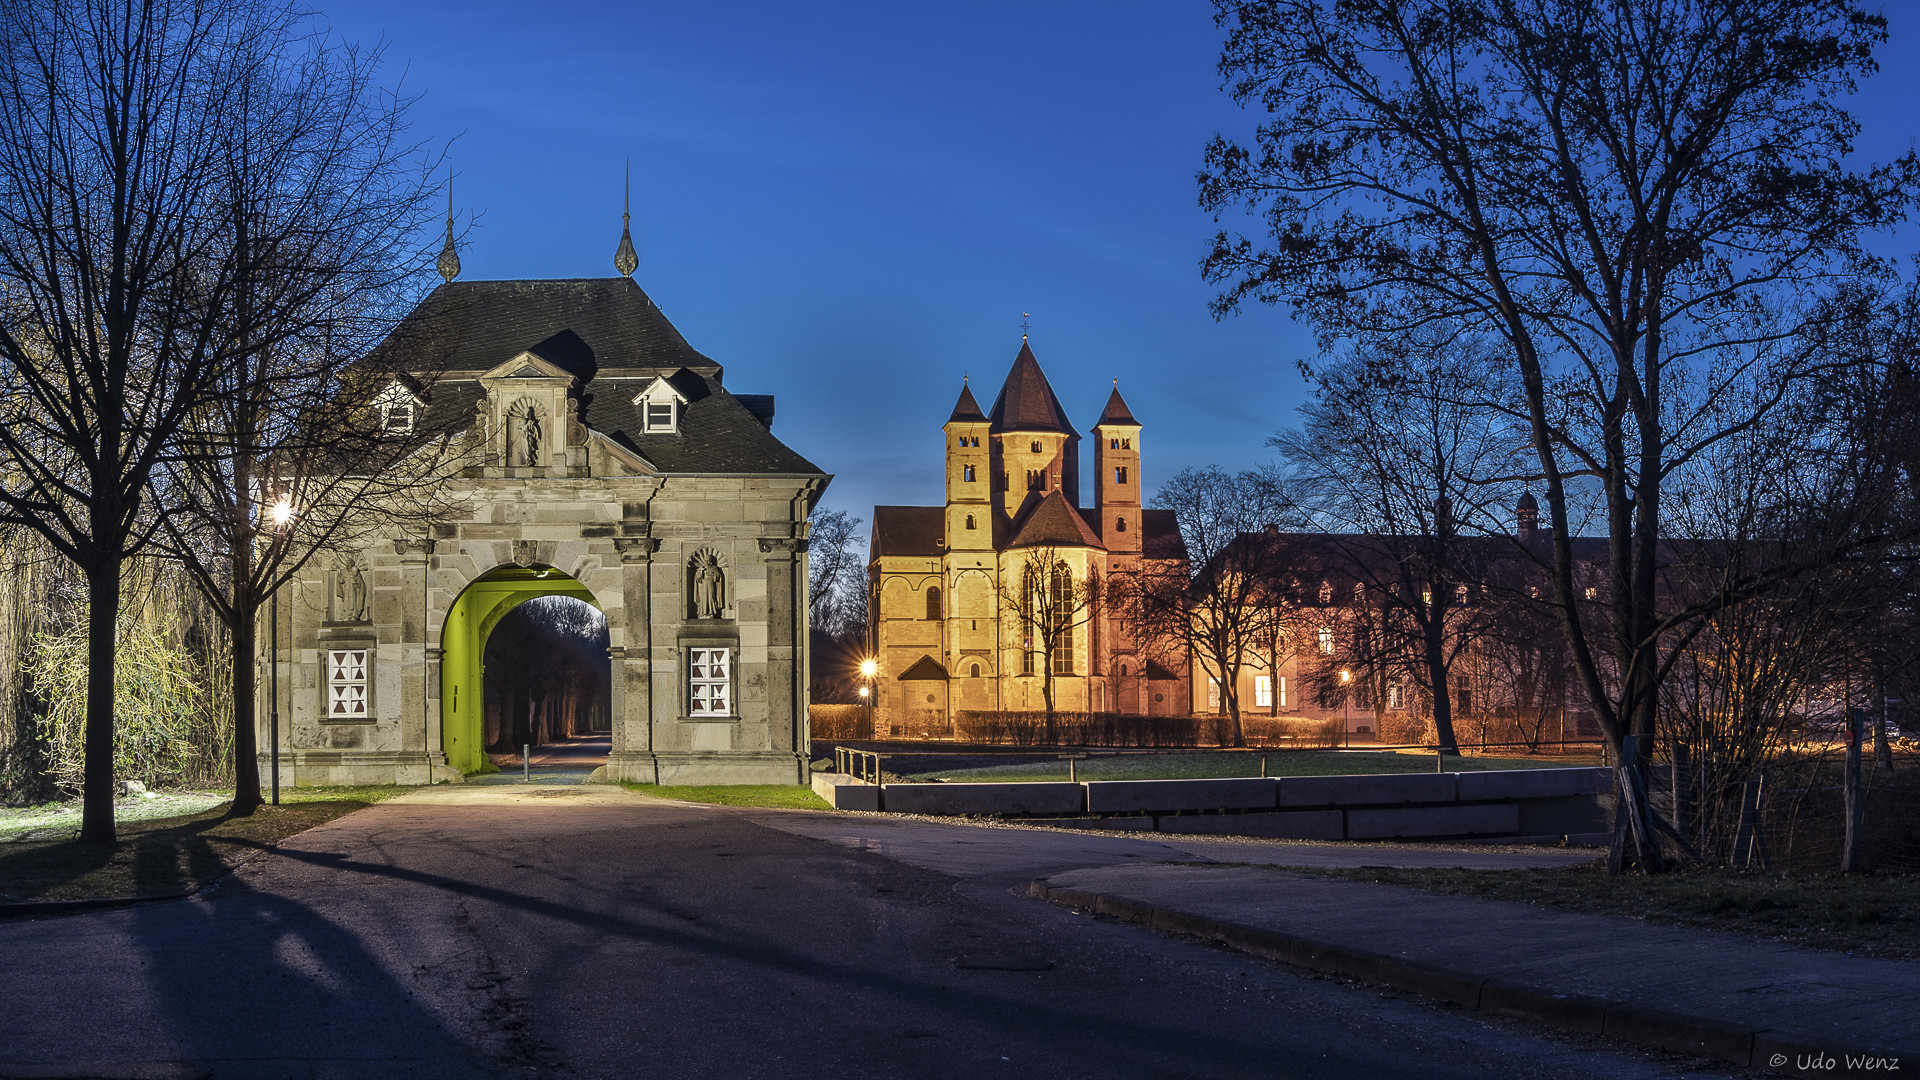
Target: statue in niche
(530,437)
(351,590)
(709,586)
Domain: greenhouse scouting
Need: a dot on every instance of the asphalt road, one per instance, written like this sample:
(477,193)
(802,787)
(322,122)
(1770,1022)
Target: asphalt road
(587,932)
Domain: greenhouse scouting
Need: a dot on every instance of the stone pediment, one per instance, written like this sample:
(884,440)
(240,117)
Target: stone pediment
(528,367)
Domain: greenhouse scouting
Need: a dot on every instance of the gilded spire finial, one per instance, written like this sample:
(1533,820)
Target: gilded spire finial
(1024,316)
(625,259)
(449,261)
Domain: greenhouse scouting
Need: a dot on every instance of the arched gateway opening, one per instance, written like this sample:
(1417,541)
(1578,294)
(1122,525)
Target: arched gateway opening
(513,672)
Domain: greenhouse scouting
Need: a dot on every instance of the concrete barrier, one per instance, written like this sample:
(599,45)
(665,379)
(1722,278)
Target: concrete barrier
(1296,825)
(843,792)
(983,798)
(1483,820)
(1376,789)
(1163,796)
(1532,784)
(1568,815)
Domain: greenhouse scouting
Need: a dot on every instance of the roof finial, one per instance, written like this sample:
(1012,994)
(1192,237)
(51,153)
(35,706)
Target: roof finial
(1024,316)
(624,258)
(449,261)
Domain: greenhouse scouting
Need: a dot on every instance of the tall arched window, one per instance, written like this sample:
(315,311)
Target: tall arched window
(1119,524)
(970,523)
(933,601)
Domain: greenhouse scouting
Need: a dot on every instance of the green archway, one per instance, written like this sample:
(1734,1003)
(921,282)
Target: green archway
(463,642)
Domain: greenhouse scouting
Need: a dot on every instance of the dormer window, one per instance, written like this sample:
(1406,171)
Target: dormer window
(396,407)
(660,408)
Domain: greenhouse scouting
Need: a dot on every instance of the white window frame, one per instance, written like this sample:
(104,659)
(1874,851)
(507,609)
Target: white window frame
(660,394)
(710,681)
(1213,692)
(1326,641)
(1283,691)
(348,696)
(1263,691)
(1395,700)
(396,402)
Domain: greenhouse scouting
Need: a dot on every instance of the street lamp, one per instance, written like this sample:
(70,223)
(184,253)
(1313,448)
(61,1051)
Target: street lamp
(281,513)
(1346,677)
(868,668)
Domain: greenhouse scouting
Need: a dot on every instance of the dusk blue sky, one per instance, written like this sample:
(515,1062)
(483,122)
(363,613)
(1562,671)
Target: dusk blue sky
(849,205)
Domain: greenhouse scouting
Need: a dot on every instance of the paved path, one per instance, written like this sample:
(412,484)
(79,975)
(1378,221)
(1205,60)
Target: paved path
(588,932)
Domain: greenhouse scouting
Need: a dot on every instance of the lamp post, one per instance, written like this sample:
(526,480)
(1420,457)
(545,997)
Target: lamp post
(280,514)
(868,668)
(1346,676)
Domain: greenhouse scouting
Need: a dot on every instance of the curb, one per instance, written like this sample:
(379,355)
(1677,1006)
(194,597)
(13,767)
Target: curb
(1749,1047)
(106,903)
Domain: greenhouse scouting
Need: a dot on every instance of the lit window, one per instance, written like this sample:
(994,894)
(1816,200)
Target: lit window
(1213,693)
(1283,691)
(1592,592)
(1394,700)
(1326,641)
(346,684)
(709,682)
(1326,592)
(1263,691)
(1460,594)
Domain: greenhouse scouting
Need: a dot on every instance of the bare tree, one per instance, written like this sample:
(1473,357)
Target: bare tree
(836,578)
(1632,196)
(1398,450)
(1047,605)
(326,197)
(122,275)
(1230,600)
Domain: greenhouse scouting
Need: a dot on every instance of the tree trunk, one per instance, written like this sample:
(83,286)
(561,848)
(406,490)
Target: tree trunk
(246,747)
(103,617)
(1442,693)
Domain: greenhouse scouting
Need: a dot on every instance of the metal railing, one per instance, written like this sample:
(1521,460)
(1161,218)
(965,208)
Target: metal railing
(859,764)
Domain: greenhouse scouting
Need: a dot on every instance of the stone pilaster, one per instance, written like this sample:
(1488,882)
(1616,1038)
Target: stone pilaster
(632,708)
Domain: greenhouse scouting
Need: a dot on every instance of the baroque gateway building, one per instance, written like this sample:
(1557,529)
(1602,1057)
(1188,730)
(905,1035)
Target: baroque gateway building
(602,459)
(999,598)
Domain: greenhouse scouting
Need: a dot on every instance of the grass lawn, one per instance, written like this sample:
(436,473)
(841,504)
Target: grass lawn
(1222,763)
(789,796)
(1876,915)
(162,856)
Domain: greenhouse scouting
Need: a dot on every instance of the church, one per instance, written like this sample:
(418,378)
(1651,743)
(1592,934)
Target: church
(597,457)
(999,599)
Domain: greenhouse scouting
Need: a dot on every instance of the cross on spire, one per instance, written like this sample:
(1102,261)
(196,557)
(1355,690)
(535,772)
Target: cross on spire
(1024,324)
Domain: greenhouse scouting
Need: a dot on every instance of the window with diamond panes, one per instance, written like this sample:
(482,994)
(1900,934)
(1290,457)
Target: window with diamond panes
(346,684)
(710,682)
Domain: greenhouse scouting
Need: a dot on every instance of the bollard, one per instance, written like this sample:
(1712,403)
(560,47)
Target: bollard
(526,763)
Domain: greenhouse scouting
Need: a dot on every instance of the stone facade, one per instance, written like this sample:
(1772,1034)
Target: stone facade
(944,629)
(685,528)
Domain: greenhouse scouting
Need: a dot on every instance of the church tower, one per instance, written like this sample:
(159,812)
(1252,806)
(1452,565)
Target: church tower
(1116,475)
(1035,450)
(969,477)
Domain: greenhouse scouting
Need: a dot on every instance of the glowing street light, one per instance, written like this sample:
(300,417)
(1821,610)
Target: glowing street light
(1346,676)
(281,514)
(868,669)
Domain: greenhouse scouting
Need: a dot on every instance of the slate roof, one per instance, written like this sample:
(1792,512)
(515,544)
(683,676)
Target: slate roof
(1027,401)
(580,324)
(966,410)
(908,530)
(614,340)
(1054,521)
(925,669)
(1116,411)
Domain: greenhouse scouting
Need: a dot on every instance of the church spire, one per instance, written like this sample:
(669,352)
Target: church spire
(449,261)
(625,259)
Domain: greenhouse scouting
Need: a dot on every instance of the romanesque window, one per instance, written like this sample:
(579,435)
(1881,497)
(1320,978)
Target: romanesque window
(1036,480)
(1036,446)
(1119,524)
(709,682)
(974,672)
(966,473)
(1119,474)
(933,602)
(346,684)
(1326,641)
(970,523)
